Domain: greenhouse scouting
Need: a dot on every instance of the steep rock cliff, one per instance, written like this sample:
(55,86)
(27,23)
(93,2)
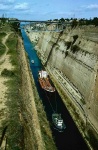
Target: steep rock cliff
(71,58)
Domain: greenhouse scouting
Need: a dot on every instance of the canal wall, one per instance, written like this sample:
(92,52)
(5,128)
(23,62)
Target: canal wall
(71,58)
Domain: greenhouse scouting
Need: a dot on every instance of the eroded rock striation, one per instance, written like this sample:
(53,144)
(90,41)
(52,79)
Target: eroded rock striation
(71,58)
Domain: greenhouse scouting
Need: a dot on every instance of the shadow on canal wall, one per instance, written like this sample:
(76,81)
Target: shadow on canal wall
(71,134)
(75,76)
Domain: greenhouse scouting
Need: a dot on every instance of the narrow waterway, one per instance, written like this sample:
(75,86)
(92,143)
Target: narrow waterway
(70,139)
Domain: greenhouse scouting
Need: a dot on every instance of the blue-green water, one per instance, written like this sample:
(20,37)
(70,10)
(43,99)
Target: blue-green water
(70,139)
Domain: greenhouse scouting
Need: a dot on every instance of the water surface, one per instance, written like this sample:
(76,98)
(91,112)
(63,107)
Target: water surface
(70,139)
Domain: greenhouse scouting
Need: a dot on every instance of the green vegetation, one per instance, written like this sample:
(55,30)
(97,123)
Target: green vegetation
(74,48)
(68,44)
(8,73)
(5,28)
(15,27)
(74,21)
(90,21)
(12,44)
(14,128)
(14,131)
(2,34)
(3,20)
(75,38)
(83,21)
(2,47)
(14,97)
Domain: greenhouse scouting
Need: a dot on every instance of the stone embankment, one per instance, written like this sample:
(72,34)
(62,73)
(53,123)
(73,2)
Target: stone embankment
(71,58)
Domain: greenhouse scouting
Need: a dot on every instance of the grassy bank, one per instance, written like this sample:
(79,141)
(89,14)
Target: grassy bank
(14,127)
(2,47)
(18,128)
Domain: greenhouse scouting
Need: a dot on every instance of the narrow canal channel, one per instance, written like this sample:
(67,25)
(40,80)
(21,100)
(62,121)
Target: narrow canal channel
(70,139)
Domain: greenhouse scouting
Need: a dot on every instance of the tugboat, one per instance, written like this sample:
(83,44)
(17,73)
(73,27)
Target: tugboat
(44,81)
(58,122)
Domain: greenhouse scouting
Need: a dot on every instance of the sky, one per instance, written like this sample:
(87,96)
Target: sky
(48,9)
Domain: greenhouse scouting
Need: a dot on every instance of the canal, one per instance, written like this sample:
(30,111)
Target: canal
(70,139)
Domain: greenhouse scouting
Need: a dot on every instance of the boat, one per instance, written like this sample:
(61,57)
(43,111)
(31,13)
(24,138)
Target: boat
(32,61)
(58,122)
(45,82)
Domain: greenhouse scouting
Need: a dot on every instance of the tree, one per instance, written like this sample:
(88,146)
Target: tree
(95,21)
(74,23)
(62,20)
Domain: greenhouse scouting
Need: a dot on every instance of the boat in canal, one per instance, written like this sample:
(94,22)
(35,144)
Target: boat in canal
(32,61)
(45,81)
(58,122)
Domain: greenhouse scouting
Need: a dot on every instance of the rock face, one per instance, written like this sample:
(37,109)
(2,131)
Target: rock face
(71,58)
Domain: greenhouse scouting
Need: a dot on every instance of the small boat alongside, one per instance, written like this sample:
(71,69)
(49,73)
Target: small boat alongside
(44,81)
(32,61)
(58,122)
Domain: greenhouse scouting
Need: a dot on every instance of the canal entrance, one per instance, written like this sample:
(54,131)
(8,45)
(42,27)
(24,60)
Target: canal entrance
(70,139)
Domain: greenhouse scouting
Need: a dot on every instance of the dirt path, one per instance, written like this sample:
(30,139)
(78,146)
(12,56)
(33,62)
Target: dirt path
(4,63)
(27,93)
(4,43)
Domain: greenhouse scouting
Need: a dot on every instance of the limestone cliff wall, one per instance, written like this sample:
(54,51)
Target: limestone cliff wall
(71,57)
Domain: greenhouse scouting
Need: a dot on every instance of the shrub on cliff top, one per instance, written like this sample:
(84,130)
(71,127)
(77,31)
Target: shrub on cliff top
(7,73)
(2,34)
(2,49)
(68,44)
(74,48)
(75,38)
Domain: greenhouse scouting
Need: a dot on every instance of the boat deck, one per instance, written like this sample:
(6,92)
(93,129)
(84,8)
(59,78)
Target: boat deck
(45,84)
